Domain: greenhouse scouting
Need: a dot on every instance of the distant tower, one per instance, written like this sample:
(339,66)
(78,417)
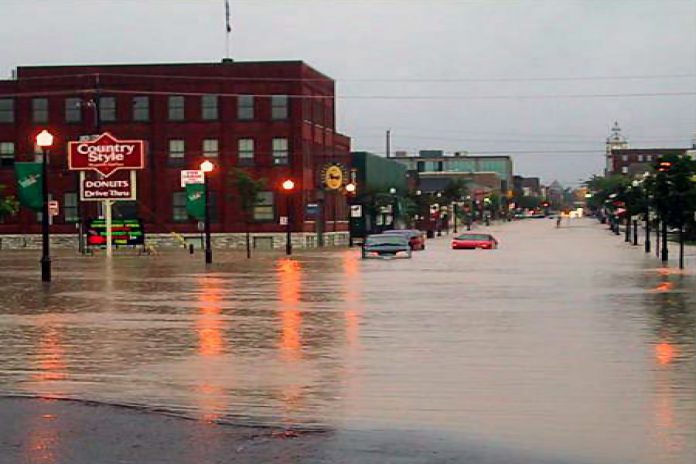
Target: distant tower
(614,141)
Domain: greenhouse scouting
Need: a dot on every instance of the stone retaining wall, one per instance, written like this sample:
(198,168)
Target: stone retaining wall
(223,240)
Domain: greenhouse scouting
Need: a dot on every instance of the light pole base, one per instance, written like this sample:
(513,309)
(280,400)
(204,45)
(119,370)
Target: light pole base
(208,256)
(45,269)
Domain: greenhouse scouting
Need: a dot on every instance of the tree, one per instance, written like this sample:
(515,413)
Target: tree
(455,190)
(602,187)
(248,190)
(8,204)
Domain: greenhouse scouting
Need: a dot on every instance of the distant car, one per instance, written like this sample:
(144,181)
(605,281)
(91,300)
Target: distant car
(386,246)
(472,241)
(416,238)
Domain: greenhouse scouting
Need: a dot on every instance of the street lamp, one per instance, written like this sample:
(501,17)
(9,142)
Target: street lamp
(288,187)
(207,167)
(392,191)
(45,140)
(439,215)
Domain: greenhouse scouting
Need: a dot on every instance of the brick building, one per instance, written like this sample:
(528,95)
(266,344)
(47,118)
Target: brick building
(276,120)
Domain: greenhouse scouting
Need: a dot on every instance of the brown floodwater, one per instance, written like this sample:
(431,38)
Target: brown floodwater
(565,341)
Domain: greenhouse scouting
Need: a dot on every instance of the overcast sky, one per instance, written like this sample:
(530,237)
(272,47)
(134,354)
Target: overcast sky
(427,49)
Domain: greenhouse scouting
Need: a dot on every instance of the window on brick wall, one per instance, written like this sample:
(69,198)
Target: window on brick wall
(7,110)
(264,209)
(73,109)
(245,151)
(280,151)
(141,108)
(177,152)
(175,109)
(39,110)
(245,107)
(7,154)
(70,213)
(107,109)
(210,148)
(179,213)
(209,107)
(279,107)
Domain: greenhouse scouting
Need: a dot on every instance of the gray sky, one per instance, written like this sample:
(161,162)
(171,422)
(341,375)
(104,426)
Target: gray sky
(404,49)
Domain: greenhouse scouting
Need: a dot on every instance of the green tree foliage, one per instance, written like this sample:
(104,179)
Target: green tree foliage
(603,187)
(248,191)
(8,204)
(674,190)
(529,202)
(456,190)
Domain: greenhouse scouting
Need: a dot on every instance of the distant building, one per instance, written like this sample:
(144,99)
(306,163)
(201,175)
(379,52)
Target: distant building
(526,187)
(437,164)
(624,160)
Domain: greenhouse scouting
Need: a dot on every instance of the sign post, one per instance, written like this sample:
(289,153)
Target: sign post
(107,155)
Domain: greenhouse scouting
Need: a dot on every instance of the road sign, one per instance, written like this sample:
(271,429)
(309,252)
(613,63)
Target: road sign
(53,208)
(283,220)
(312,210)
(356,211)
(106,154)
(191,177)
(119,186)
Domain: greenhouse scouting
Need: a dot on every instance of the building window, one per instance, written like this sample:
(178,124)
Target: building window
(624,157)
(176,108)
(279,107)
(209,107)
(141,108)
(177,149)
(245,150)
(264,209)
(7,154)
(210,148)
(245,107)
(107,109)
(73,109)
(179,213)
(70,207)
(624,169)
(39,110)
(440,166)
(7,110)
(641,158)
(280,151)
(420,166)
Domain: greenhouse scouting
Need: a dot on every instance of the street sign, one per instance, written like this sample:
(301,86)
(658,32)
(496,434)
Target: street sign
(356,211)
(191,177)
(119,186)
(106,154)
(53,208)
(312,210)
(283,220)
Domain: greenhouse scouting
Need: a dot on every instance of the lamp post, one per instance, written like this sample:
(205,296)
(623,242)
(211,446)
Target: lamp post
(454,216)
(288,187)
(207,167)
(439,214)
(647,198)
(392,191)
(350,189)
(45,140)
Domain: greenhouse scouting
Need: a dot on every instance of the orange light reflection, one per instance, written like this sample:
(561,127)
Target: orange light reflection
(665,353)
(289,273)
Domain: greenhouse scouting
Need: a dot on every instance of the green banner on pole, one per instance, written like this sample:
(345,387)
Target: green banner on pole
(195,201)
(29,188)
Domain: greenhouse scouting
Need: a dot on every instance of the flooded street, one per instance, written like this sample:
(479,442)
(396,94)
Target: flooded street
(567,342)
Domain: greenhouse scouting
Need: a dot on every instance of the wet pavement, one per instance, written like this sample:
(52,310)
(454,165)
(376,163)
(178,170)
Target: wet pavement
(563,343)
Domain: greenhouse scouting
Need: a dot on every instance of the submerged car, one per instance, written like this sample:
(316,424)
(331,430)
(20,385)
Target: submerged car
(472,241)
(416,238)
(386,246)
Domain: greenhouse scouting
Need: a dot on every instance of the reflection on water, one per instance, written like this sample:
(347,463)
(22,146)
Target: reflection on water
(562,340)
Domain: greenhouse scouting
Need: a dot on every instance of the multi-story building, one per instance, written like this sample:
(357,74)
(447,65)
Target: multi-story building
(442,166)
(624,160)
(276,120)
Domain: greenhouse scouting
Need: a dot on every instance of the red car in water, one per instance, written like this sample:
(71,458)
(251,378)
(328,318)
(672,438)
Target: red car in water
(416,238)
(473,241)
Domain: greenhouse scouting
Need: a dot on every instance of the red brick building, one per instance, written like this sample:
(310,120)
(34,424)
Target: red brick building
(274,119)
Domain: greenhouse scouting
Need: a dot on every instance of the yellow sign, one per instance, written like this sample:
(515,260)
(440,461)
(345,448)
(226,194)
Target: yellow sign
(333,176)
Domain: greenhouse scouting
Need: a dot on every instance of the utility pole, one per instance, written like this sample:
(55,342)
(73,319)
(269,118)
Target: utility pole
(388,142)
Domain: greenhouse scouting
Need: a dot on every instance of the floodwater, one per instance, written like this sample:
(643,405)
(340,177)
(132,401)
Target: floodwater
(563,341)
